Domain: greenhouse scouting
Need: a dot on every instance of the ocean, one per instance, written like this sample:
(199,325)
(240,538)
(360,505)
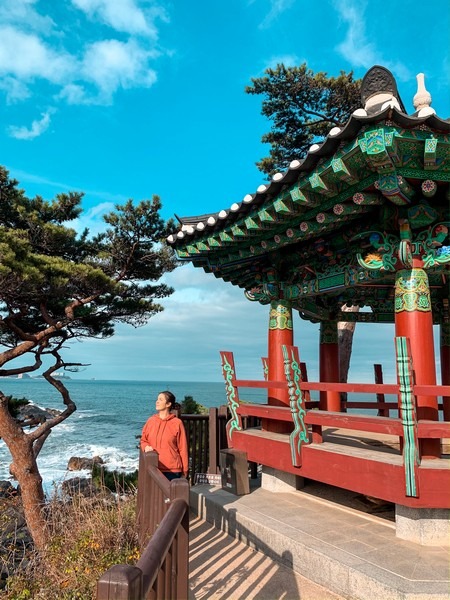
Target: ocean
(109,417)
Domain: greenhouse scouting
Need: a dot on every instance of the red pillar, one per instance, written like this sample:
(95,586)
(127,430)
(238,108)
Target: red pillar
(445,365)
(414,320)
(329,365)
(280,333)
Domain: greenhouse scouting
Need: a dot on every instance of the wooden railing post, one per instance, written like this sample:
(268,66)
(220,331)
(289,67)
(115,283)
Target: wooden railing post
(213,441)
(384,411)
(120,582)
(179,489)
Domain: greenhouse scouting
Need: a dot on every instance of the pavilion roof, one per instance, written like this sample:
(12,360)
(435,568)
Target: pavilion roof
(297,232)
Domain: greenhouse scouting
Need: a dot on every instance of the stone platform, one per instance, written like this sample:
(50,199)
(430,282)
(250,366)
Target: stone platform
(327,539)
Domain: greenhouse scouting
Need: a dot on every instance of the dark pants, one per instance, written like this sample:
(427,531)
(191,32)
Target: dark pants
(171,476)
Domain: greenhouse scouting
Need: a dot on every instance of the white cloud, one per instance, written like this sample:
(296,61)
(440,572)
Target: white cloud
(111,64)
(92,219)
(25,56)
(15,90)
(32,51)
(124,15)
(356,48)
(277,8)
(38,127)
(23,13)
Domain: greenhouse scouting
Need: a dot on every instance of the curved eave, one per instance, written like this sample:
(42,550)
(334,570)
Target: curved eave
(189,225)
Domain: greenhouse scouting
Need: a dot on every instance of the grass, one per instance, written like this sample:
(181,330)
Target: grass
(88,535)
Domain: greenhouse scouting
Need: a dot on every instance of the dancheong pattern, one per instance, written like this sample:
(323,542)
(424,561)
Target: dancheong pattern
(280,316)
(412,292)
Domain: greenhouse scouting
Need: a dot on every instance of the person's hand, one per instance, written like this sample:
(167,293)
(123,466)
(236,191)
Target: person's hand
(148,448)
(185,475)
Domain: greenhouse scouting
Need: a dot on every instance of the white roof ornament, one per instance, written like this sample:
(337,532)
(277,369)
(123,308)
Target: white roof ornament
(360,112)
(211,221)
(422,98)
(247,199)
(200,226)
(334,131)
(222,214)
(314,147)
(180,235)
(277,177)
(170,239)
(189,229)
(294,164)
(393,103)
(261,188)
(234,207)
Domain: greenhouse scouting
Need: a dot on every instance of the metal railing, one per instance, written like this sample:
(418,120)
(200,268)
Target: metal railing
(163,519)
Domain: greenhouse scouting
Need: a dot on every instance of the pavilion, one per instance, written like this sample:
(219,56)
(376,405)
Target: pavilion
(361,221)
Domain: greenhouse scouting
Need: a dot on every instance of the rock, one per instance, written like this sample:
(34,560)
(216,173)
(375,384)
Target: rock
(78,485)
(54,412)
(31,415)
(7,490)
(78,463)
(83,486)
(15,539)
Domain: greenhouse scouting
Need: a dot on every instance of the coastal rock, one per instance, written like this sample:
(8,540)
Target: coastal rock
(84,486)
(7,490)
(79,463)
(78,485)
(15,539)
(31,415)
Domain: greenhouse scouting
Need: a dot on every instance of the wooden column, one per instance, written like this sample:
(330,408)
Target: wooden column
(445,365)
(280,333)
(414,320)
(329,364)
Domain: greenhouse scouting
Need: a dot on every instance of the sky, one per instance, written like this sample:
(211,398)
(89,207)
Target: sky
(129,98)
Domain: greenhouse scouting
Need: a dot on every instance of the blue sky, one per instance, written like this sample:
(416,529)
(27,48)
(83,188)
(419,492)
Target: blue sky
(129,98)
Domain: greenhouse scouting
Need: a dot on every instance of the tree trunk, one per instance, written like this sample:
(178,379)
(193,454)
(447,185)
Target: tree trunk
(24,469)
(345,337)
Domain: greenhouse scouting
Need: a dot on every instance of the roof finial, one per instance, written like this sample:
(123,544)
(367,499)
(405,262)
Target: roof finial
(422,99)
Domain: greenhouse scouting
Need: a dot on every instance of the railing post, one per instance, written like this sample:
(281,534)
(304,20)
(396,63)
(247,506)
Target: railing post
(120,582)
(146,504)
(213,441)
(411,456)
(382,412)
(179,488)
(296,401)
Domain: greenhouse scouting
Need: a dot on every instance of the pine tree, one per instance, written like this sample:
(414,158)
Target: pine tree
(303,106)
(57,286)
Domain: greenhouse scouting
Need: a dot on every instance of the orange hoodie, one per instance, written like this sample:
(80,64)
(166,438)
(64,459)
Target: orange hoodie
(168,437)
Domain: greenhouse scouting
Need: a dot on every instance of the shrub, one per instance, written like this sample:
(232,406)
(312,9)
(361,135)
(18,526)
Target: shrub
(116,481)
(190,407)
(88,536)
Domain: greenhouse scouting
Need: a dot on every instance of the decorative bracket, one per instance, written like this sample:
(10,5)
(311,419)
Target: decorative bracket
(411,458)
(229,374)
(293,375)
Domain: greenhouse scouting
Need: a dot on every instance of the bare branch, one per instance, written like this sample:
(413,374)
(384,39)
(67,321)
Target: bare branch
(37,446)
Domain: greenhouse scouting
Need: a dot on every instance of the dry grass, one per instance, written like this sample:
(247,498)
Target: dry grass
(88,535)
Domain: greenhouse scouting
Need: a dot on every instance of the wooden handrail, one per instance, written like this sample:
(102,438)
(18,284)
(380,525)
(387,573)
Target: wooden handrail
(256,383)
(363,388)
(156,550)
(368,423)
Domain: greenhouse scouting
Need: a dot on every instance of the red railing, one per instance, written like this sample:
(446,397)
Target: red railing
(384,467)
